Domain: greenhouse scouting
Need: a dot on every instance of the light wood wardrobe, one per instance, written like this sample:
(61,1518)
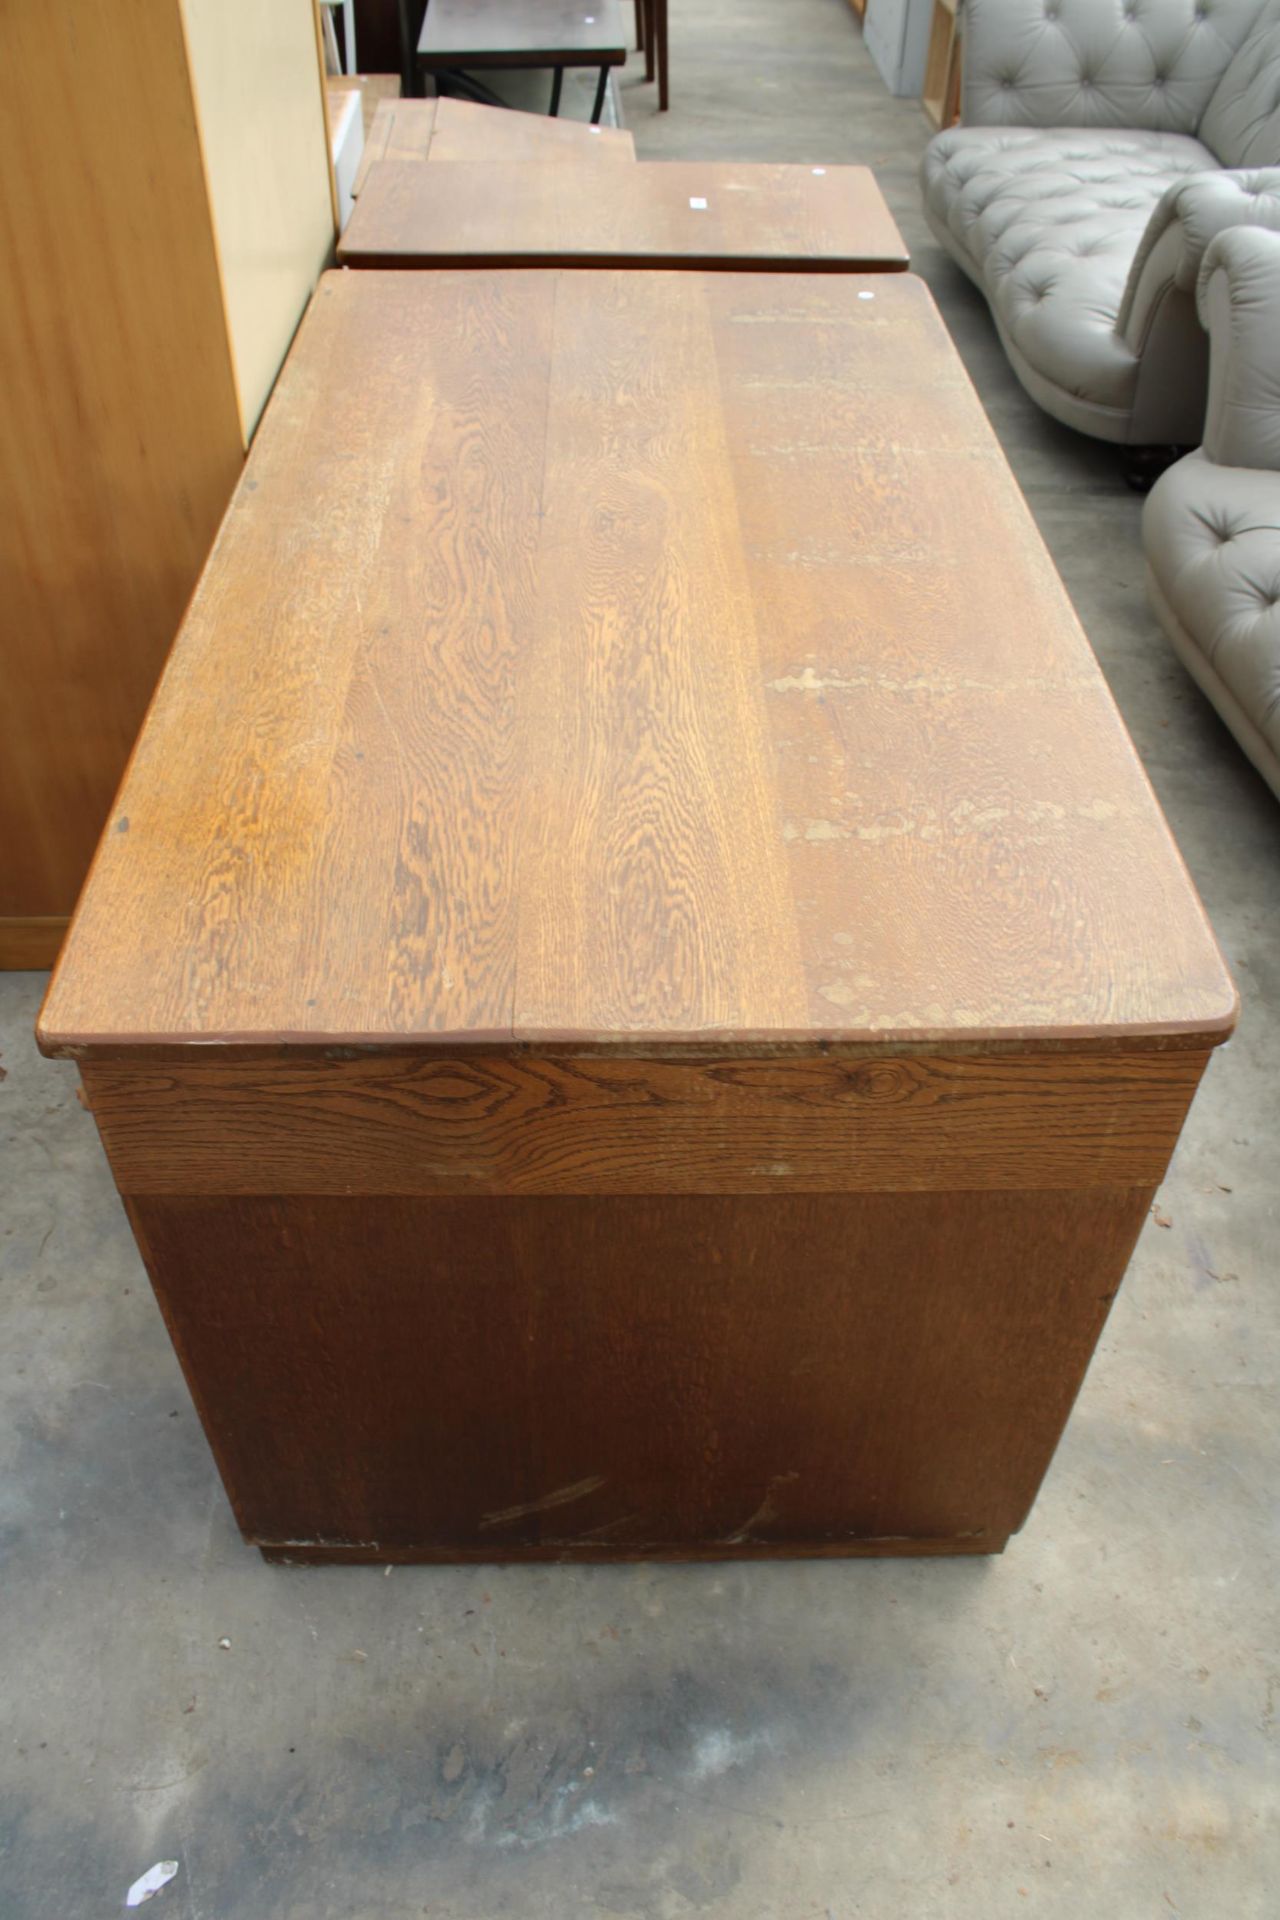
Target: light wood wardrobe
(165,209)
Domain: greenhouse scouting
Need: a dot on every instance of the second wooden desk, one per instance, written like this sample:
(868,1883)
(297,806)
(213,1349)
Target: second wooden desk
(660,213)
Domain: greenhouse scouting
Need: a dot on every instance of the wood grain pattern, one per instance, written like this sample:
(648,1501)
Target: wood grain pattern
(521,33)
(460,130)
(655,766)
(611,656)
(122,433)
(636,1377)
(657,213)
(374,768)
(496,1122)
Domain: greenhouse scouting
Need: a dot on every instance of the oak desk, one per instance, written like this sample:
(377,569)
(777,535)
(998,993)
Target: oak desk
(635,990)
(416,130)
(657,213)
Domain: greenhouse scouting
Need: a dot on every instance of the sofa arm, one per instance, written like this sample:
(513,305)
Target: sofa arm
(1182,223)
(1097,63)
(1238,296)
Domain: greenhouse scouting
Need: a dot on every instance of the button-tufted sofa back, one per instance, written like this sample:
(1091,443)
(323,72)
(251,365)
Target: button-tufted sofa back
(1242,121)
(1100,63)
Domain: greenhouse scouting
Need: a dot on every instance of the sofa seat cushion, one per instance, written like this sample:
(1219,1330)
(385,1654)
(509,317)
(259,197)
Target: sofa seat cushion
(1047,221)
(1212,540)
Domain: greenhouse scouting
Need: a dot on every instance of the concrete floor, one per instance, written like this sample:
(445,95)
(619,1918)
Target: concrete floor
(1087,1725)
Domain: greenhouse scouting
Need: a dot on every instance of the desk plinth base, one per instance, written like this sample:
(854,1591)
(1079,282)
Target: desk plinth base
(362,1556)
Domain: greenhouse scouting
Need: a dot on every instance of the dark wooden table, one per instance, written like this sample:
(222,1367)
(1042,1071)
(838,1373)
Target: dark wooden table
(636,990)
(653,214)
(463,37)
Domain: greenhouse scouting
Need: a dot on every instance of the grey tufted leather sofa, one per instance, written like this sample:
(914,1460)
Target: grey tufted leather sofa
(1211,524)
(1104,143)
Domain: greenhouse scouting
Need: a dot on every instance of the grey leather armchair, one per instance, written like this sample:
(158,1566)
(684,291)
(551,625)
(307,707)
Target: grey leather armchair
(1211,523)
(1103,143)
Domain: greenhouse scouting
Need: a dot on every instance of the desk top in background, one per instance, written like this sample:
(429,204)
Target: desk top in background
(415,130)
(660,213)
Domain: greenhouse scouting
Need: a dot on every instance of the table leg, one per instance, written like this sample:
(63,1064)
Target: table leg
(410,78)
(648,44)
(601,89)
(660,34)
(556,85)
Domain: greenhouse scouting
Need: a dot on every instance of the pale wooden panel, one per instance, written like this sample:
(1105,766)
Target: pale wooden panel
(122,439)
(260,102)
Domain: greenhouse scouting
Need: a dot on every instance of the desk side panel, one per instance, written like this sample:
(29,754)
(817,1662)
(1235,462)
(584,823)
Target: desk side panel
(635,1376)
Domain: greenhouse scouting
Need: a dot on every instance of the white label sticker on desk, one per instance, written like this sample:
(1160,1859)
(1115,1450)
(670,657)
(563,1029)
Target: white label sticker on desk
(699,206)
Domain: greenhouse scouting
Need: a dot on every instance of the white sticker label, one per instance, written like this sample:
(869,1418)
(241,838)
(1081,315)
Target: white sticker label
(819,169)
(151,1883)
(699,206)
(866,296)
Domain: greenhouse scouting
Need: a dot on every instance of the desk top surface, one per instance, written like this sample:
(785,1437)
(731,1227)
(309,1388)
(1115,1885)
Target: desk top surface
(655,213)
(637,657)
(416,130)
(489,32)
